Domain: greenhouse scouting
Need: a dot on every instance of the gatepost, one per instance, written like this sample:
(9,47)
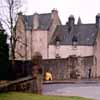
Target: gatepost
(37,73)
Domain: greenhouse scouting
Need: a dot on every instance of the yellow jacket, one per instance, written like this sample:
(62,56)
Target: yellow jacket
(48,76)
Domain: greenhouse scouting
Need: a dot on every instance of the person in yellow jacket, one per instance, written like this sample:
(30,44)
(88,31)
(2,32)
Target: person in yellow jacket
(48,76)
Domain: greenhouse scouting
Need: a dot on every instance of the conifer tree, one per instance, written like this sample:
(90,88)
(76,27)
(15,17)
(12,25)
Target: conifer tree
(4,56)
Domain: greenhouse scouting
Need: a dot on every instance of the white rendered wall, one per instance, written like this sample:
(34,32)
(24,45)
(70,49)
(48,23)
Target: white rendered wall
(65,51)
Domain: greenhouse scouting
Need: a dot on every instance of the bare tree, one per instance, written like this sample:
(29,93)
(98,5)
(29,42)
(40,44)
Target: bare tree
(10,9)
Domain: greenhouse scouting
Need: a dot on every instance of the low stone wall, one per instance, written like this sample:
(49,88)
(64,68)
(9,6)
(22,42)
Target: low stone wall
(61,69)
(21,69)
(23,85)
(69,68)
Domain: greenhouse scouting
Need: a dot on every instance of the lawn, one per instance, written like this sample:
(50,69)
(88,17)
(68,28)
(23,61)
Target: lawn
(30,96)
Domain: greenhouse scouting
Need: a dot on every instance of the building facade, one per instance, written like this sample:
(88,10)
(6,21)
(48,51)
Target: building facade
(34,33)
(45,34)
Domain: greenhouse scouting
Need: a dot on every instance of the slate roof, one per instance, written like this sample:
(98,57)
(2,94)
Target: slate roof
(44,21)
(85,34)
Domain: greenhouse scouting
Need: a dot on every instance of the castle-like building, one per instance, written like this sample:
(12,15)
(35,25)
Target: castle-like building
(44,34)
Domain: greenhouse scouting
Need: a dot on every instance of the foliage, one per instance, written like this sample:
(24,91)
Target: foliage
(4,55)
(10,9)
(3,47)
(30,96)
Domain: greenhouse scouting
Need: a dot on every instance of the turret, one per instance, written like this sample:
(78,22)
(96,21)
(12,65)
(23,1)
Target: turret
(70,23)
(71,20)
(79,21)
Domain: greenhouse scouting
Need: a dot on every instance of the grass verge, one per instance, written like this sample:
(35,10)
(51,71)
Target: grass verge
(30,96)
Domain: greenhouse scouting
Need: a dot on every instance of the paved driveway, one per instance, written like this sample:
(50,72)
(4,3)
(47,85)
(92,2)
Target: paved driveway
(83,90)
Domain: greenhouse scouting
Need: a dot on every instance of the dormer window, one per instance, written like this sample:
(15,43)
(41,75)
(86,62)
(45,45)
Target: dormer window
(57,42)
(74,42)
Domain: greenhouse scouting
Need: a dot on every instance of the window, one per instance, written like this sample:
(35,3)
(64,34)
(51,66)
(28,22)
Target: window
(57,42)
(74,46)
(74,42)
(57,56)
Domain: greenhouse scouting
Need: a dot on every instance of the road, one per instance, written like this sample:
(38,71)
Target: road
(90,90)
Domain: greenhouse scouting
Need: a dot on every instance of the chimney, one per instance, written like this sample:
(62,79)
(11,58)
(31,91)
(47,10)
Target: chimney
(98,21)
(54,13)
(36,21)
(20,13)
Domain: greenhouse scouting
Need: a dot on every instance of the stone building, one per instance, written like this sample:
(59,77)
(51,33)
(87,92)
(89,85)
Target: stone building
(34,33)
(77,43)
(75,40)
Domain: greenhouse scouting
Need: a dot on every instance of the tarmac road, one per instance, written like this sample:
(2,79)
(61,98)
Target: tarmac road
(89,90)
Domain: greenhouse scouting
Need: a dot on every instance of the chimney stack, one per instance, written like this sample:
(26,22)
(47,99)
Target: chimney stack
(36,21)
(54,13)
(20,13)
(98,21)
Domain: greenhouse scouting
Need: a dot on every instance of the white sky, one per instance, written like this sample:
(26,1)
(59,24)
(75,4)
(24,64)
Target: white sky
(86,9)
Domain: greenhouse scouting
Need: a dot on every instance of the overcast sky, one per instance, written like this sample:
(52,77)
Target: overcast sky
(86,9)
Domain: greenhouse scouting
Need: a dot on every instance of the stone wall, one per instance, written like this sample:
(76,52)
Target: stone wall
(97,54)
(23,85)
(55,21)
(39,42)
(70,68)
(21,40)
(61,69)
